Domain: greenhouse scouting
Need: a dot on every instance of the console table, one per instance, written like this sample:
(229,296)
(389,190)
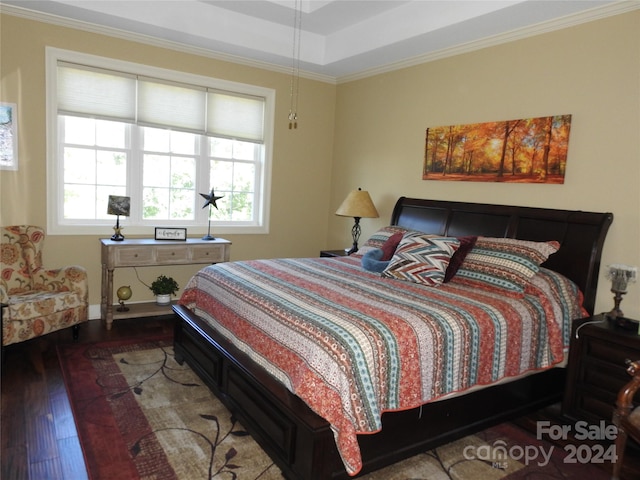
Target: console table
(144,252)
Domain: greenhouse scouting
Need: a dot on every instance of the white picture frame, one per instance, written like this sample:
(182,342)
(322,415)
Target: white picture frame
(171,233)
(8,136)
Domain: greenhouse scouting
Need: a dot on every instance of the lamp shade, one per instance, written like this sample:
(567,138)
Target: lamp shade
(358,204)
(118,205)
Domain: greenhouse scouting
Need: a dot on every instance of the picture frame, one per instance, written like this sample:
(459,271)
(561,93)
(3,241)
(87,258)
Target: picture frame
(8,136)
(525,150)
(171,233)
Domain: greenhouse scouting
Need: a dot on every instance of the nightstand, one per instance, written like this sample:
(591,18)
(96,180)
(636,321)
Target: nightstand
(597,368)
(333,253)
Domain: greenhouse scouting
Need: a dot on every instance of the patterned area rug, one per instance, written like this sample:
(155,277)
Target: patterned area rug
(140,415)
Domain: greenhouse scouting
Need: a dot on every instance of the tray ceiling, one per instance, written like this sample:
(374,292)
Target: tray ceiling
(340,39)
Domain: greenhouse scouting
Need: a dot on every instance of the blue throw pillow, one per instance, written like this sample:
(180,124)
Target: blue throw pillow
(371,261)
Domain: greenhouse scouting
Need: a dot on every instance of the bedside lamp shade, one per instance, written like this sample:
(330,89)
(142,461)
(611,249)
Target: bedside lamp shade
(358,205)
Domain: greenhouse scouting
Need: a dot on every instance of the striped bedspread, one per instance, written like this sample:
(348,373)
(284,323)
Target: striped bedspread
(353,344)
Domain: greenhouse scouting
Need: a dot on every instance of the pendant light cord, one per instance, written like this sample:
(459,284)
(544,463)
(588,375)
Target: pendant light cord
(295,66)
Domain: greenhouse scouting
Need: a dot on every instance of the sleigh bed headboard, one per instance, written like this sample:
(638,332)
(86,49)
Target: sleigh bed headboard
(581,234)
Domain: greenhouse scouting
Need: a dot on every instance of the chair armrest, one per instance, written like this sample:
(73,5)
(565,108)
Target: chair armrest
(71,278)
(624,402)
(4,298)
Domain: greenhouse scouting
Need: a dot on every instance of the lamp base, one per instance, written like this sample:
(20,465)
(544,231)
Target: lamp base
(615,312)
(117,236)
(355,235)
(617,316)
(353,249)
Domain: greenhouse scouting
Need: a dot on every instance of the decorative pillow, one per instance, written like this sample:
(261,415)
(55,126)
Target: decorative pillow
(389,247)
(422,258)
(466,244)
(378,239)
(506,264)
(372,261)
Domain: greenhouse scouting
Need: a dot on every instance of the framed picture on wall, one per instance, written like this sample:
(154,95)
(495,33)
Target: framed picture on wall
(8,136)
(526,150)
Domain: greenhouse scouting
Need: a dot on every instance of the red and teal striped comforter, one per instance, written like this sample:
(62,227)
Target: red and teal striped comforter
(353,344)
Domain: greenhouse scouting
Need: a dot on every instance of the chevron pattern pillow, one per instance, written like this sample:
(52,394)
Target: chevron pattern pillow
(422,258)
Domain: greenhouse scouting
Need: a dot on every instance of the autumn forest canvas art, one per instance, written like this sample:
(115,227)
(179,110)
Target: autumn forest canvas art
(530,150)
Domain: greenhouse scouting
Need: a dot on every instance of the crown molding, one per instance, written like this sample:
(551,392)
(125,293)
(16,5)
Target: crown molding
(594,14)
(154,41)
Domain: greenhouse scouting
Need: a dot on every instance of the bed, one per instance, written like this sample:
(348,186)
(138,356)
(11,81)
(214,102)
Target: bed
(306,445)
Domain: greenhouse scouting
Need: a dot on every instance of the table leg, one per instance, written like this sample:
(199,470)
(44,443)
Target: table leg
(109,299)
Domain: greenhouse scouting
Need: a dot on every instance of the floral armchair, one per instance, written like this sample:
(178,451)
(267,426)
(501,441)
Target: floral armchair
(35,300)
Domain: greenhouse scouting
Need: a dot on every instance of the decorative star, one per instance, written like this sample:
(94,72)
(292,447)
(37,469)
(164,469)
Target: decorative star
(211,198)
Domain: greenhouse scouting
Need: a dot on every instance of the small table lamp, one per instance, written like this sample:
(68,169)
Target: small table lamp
(118,206)
(358,205)
(620,276)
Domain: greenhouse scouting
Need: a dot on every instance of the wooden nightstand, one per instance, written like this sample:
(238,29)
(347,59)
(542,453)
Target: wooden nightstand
(597,368)
(333,253)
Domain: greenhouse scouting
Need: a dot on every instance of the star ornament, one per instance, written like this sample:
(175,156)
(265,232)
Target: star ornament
(211,198)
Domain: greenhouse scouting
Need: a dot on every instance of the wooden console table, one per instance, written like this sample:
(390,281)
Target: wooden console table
(147,253)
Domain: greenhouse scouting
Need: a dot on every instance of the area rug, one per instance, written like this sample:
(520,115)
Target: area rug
(141,415)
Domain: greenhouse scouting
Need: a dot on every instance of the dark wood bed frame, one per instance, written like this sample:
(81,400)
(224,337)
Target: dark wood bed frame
(301,443)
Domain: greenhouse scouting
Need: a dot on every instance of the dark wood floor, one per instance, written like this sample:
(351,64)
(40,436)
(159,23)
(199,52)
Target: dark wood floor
(38,434)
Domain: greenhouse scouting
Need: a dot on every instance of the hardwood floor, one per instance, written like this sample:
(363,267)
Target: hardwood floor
(38,434)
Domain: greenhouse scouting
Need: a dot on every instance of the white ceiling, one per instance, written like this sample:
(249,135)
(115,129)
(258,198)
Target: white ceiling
(340,39)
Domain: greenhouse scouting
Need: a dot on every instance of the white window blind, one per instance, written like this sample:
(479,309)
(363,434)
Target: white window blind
(155,102)
(234,116)
(163,104)
(96,93)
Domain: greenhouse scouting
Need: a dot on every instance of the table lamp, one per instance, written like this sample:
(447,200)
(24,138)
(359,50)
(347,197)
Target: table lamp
(358,205)
(118,206)
(620,276)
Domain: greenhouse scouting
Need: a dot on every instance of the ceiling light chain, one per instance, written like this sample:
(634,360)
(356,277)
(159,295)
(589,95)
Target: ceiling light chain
(295,66)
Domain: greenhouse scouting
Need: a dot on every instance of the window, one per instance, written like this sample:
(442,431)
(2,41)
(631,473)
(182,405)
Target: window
(160,137)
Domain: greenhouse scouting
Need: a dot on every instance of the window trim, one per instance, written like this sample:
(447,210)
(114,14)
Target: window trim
(54,198)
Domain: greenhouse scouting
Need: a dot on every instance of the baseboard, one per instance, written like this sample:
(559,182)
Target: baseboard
(94,312)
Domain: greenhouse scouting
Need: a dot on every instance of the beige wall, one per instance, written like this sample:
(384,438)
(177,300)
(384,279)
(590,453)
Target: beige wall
(301,158)
(591,71)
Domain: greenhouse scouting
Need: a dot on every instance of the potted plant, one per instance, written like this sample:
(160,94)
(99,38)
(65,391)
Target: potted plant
(163,288)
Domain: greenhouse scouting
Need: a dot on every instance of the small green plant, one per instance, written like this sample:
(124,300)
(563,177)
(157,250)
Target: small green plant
(164,286)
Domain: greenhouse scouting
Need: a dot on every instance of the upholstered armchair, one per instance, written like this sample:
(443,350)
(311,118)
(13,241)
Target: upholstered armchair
(37,301)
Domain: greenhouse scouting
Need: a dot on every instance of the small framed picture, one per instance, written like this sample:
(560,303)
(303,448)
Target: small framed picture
(8,136)
(170,233)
